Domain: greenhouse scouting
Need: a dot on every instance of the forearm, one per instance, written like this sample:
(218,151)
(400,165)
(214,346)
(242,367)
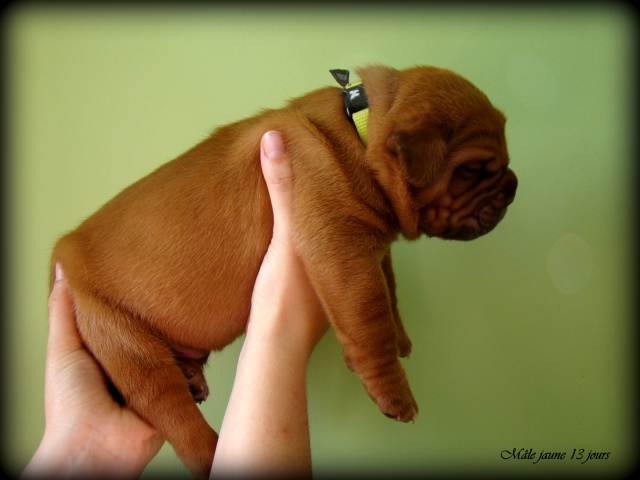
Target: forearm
(265,428)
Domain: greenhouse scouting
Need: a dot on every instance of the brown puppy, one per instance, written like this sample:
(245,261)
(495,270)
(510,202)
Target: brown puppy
(163,273)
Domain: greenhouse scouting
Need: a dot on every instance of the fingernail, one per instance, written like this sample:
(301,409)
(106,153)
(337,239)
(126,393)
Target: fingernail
(273,144)
(59,272)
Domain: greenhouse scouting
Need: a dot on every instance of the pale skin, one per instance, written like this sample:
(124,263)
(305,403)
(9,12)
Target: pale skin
(265,427)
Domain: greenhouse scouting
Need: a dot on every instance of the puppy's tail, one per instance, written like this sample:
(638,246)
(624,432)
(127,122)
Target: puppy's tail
(142,368)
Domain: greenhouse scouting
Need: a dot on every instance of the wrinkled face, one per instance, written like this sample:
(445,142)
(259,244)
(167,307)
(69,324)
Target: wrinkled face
(471,196)
(450,144)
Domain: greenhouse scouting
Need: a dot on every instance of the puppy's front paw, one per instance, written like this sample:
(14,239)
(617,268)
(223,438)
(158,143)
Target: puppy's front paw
(393,397)
(400,407)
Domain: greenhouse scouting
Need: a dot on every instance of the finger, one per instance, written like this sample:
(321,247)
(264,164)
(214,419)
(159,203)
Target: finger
(278,174)
(63,333)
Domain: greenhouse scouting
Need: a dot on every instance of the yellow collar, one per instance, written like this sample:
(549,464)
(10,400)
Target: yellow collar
(355,101)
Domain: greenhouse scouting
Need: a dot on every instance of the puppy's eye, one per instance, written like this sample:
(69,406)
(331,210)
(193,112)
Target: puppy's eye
(470,171)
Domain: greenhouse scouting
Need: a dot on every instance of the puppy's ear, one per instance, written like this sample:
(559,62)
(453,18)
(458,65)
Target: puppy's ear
(421,154)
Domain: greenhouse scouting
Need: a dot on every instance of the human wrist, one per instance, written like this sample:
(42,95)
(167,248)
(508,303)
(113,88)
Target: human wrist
(79,457)
(290,323)
(281,338)
(58,458)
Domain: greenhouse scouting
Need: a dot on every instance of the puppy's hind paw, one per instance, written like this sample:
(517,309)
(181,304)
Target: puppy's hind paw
(192,370)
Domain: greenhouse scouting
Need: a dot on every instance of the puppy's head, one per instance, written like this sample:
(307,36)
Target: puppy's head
(438,148)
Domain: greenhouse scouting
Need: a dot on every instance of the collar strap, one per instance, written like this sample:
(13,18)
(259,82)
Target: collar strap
(355,101)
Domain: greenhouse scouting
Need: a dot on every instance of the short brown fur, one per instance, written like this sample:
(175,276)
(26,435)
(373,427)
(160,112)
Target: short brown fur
(166,268)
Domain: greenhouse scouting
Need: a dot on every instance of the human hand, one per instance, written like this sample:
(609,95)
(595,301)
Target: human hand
(284,302)
(265,431)
(87,433)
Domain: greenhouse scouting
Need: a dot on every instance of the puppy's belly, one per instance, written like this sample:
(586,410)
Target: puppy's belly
(207,317)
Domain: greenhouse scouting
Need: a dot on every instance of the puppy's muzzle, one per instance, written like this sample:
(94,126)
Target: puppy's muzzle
(510,187)
(494,210)
(482,213)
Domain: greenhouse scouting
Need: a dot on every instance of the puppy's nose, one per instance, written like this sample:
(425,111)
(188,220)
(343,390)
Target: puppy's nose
(510,186)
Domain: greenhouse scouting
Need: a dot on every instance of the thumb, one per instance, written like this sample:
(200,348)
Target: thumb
(63,333)
(278,174)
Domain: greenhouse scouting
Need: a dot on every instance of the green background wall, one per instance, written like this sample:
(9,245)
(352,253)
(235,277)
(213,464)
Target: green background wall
(522,339)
